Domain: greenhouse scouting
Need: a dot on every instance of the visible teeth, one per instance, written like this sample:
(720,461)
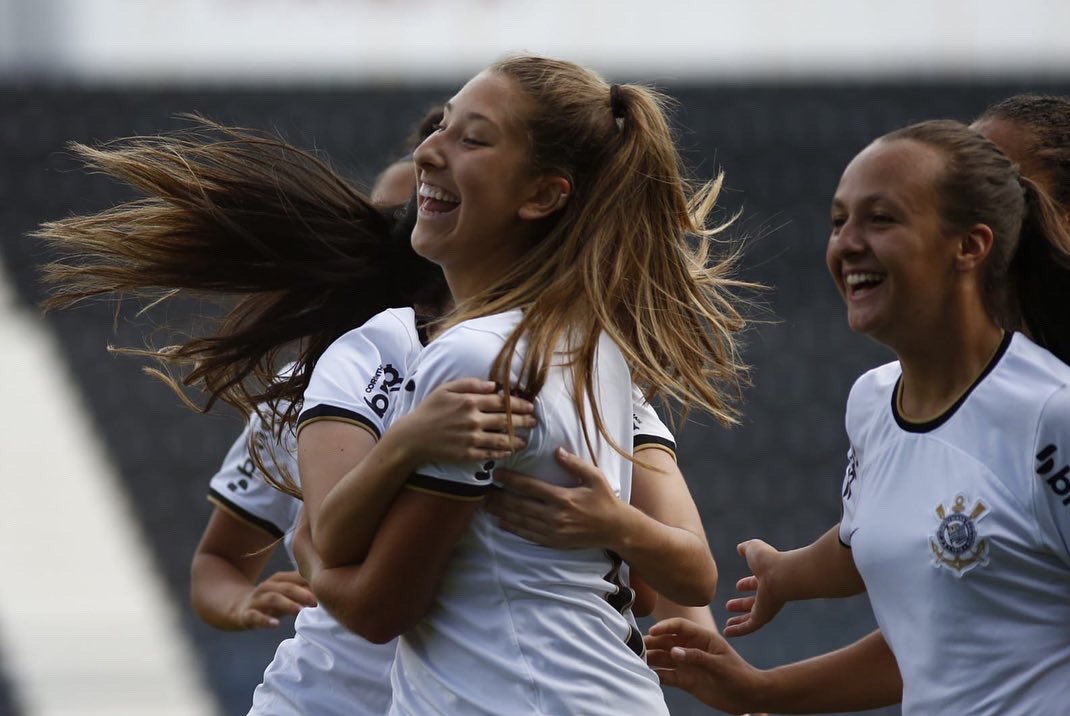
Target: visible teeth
(853,279)
(431,191)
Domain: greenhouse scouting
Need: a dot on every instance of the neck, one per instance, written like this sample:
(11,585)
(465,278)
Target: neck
(939,366)
(469,277)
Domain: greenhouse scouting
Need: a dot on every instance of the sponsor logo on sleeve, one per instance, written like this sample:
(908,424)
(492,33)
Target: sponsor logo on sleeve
(852,474)
(386,381)
(955,545)
(1058,480)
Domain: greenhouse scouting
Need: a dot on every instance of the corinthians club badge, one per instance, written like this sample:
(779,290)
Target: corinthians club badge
(955,544)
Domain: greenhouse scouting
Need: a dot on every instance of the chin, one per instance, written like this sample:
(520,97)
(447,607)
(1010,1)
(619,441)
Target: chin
(424,245)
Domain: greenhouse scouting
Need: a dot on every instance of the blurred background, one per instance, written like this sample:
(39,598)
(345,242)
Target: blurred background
(102,499)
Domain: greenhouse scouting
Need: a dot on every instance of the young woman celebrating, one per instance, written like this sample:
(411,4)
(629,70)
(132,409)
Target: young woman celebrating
(955,500)
(301,251)
(574,274)
(234,214)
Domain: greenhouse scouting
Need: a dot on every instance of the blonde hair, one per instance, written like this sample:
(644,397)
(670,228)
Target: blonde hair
(629,254)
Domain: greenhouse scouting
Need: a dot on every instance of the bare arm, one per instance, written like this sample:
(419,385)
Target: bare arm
(666,609)
(395,585)
(698,660)
(351,480)
(228,561)
(822,569)
(659,535)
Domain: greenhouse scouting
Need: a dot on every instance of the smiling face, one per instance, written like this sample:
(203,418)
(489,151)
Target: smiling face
(888,254)
(475,182)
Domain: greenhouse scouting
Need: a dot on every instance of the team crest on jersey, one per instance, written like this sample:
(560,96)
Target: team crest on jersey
(955,544)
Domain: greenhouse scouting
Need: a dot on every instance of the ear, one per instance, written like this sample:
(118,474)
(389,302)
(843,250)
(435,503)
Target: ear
(550,194)
(973,247)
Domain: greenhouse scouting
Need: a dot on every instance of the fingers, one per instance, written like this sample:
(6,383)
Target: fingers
(497,402)
(741,548)
(279,594)
(518,508)
(501,441)
(501,422)
(529,487)
(531,534)
(677,626)
(276,604)
(740,604)
(747,584)
(293,577)
(740,626)
(662,642)
(254,619)
(470,385)
(585,472)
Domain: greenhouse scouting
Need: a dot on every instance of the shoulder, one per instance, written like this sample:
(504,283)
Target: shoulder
(1032,371)
(871,394)
(393,330)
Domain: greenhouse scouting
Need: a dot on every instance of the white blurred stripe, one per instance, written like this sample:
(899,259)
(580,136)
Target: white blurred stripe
(413,41)
(86,626)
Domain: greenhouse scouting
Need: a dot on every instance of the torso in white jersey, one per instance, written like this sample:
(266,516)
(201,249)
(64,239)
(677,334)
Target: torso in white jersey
(239,488)
(325,669)
(517,628)
(960,528)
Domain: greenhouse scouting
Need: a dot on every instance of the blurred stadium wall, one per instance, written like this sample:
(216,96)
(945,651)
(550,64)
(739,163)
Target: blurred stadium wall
(104,473)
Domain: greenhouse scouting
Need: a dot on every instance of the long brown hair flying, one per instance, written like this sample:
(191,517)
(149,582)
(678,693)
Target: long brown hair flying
(295,251)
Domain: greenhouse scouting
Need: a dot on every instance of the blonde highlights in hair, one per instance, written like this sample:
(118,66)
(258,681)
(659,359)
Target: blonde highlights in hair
(630,253)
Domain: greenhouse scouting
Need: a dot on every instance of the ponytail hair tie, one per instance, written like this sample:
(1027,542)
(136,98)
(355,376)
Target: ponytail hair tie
(616,103)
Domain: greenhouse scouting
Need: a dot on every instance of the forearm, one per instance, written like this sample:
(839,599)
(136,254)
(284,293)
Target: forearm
(861,676)
(395,586)
(674,561)
(824,569)
(352,511)
(217,589)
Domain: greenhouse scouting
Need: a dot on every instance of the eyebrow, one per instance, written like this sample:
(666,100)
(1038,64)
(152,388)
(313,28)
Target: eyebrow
(470,115)
(868,200)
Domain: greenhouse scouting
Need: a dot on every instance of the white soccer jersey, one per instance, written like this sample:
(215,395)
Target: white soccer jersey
(325,669)
(517,628)
(960,528)
(240,489)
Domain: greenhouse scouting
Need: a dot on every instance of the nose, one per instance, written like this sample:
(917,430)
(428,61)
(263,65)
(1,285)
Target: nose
(429,154)
(848,240)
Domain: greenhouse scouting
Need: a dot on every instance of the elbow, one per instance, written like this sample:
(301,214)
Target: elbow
(379,626)
(376,628)
(700,589)
(368,613)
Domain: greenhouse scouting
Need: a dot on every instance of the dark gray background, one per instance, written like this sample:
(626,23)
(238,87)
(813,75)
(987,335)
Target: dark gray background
(776,476)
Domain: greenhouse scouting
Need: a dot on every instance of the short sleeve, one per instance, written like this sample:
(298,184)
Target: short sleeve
(1051,465)
(455,355)
(357,378)
(849,496)
(648,430)
(240,489)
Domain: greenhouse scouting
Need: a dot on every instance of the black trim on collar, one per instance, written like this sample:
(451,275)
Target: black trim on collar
(930,425)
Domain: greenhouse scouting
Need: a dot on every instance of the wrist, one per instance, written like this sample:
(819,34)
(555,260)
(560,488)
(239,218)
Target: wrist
(768,691)
(232,615)
(622,529)
(399,446)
